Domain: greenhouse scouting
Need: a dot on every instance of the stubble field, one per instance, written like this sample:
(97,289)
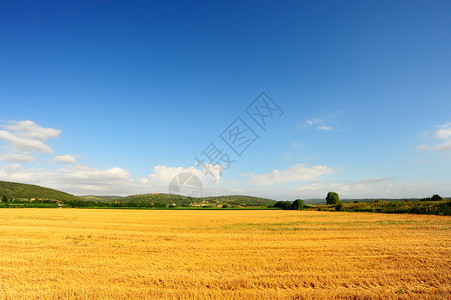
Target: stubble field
(192,254)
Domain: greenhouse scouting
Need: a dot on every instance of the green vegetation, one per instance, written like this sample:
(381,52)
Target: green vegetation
(26,195)
(101,198)
(169,199)
(297,204)
(17,192)
(433,198)
(413,207)
(332,198)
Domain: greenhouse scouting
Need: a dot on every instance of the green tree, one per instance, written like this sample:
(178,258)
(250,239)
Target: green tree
(332,198)
(436,198)
(298,204)
(4,199)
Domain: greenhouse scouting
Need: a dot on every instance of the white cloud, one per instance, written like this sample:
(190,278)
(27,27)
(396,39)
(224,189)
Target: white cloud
(28,129)
(16,157)
(297,172)
(444,132)
(443,147)
(27,136)
(233,182)
(81,174)
(377,187)
(325,128)
(76,179)
(24,144)
(15,172)
(314,121)
(163,174)
(373,180)
(65,159)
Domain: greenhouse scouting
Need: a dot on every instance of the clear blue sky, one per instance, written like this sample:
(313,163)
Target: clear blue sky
(118,97)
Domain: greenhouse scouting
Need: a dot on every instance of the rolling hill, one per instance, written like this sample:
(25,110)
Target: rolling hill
(101,198)
(178,200)
(25,192)
(22,191)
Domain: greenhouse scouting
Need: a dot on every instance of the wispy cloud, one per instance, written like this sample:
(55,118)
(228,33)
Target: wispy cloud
(28,129)
(314,121)
(443,147)
(26,136)
(442,133)
(373,180)
(16,157)
(371,188)
(322,124)
(65,159)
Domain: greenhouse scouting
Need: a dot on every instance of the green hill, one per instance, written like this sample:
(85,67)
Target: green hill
(101,198)
(178,200)
(26,192)
(22,191)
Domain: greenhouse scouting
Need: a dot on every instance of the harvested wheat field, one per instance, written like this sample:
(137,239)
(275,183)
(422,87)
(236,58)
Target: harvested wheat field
(192,254)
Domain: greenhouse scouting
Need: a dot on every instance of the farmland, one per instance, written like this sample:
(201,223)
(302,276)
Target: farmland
(261,254)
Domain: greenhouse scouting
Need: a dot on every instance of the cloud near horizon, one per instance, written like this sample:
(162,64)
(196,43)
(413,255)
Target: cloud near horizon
(375,187)
(16,157)
(75,179)
(298,172)
(163,174)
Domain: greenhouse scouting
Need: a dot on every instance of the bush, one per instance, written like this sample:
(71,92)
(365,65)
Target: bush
(433,198)
(339,206)
(436,198)
(283,205)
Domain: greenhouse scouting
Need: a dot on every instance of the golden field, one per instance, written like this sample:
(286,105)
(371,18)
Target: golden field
(247,254)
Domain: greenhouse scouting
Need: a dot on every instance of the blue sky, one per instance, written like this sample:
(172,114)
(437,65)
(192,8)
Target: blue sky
(119,97)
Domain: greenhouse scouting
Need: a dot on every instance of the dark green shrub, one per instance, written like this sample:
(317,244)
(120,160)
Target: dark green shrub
(436,198)
(283,205)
